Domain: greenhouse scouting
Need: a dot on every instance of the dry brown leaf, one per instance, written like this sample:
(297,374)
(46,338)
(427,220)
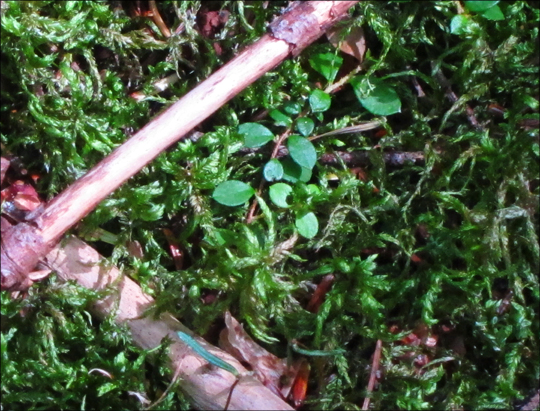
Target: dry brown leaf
(354,43)
(272,371)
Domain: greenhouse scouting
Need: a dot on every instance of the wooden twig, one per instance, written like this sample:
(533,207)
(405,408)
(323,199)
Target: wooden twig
(358,128)
(207,387)
(532,403)
(25,244)
(360,158)
(373,374)
(158,20)
(453,98)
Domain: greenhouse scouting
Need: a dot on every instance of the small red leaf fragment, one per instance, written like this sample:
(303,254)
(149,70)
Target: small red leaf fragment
(174,248)
(135,249)
(320,293)
(299,389)
(26,202)
(416,259)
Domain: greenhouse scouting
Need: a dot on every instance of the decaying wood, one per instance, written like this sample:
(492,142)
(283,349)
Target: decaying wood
(532,403)
(289,32)
(361,158)
(358,158)
(208,387)
(18,262)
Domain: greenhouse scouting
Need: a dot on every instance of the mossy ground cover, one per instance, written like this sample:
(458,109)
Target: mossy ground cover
(448,245)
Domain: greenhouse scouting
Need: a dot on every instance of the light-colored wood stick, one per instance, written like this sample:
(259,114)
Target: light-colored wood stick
(207,387)
(86,193)
(301,24)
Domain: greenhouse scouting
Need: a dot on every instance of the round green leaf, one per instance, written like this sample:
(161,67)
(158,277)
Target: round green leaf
(280,118)
(302,151)
(278,194)
(376,96)
(319,101)
(494,13)
(480,6)
(293,172)
(305,126)
(233,193)
(292,108)
(459,24)
(273,170)
(255,135)
(327,64)
(313,189)
(307,225)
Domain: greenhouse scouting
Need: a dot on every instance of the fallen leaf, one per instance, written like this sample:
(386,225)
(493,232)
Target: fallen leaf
(270,370)
(26,202)
(354,43)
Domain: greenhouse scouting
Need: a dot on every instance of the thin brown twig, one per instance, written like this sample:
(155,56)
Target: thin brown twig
(453,98)
(373,375)
(361,158)
(365,126)
(171,384)
(337,85)
(158,20)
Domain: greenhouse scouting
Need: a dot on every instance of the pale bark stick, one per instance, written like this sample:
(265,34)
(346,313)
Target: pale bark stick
(86,193)
(301,24)
(373,374)
(207,387)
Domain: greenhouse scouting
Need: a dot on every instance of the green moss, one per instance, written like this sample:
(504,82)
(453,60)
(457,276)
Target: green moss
(68,69)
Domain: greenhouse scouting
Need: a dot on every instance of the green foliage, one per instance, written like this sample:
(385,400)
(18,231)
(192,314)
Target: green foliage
(302,151)
(487,9)
(278,194)
(233,193)
(273,170)
(319,101)
(377,97)
(255,135)
(327,64)
(305,126)
(429,243)
(59,357)
(307,224)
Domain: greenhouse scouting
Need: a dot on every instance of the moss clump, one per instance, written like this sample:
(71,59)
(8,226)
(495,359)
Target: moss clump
(444,244)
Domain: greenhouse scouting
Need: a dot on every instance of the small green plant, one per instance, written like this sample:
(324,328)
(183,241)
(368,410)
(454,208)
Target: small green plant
(297,167)
(463,24)
(374,94)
